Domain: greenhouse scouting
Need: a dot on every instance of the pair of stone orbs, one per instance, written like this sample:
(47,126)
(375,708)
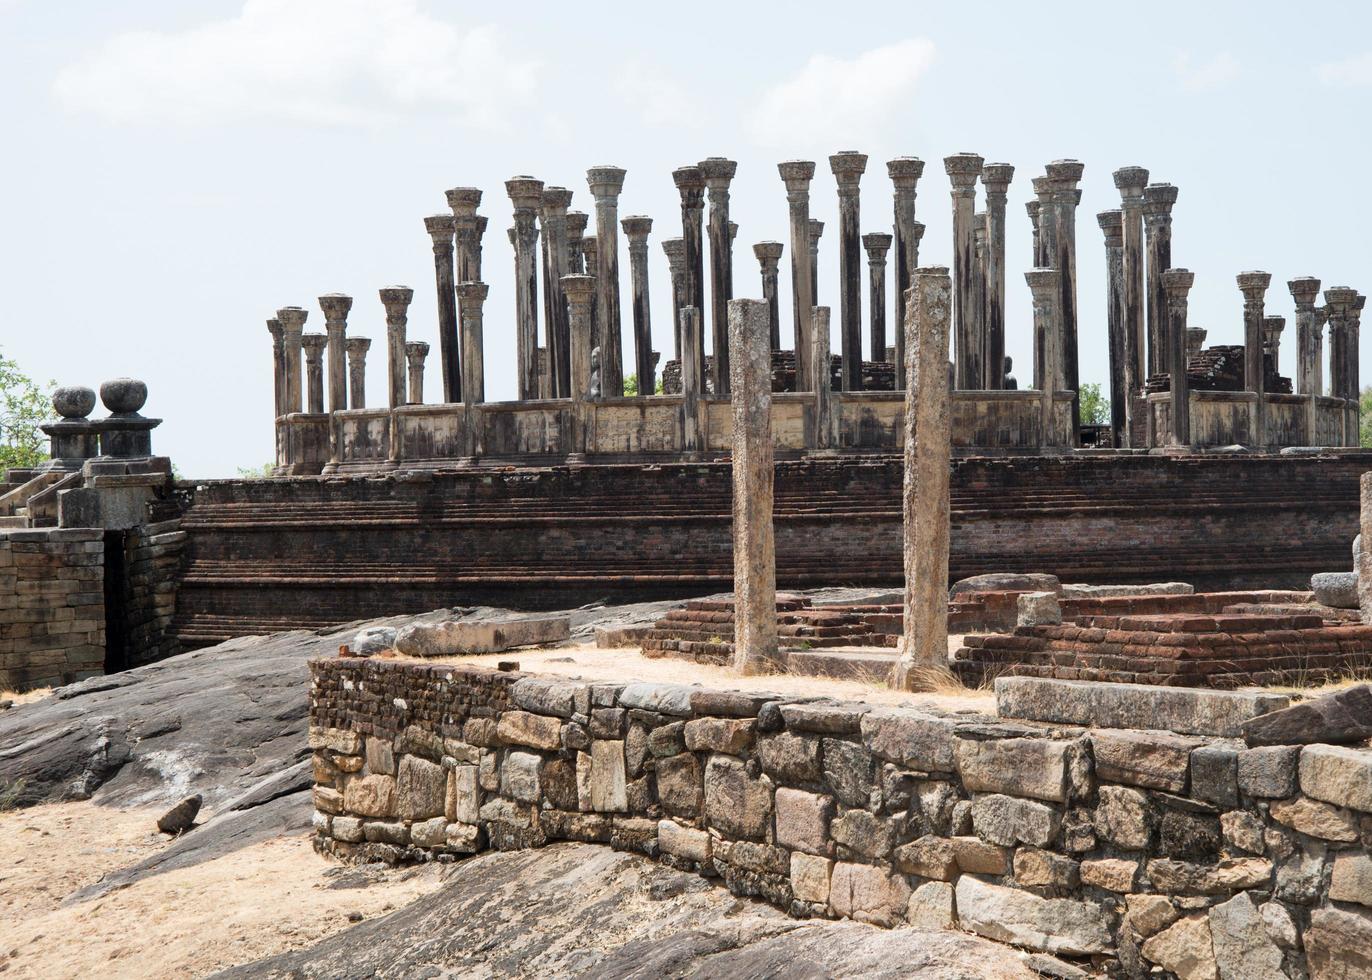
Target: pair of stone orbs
(122,398)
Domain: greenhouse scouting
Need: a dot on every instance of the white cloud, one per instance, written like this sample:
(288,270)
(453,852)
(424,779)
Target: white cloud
(842,101)
(1204,76)
(659,99)
(1349,72)
(328,62)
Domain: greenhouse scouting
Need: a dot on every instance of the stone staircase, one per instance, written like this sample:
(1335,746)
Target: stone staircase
(29,498)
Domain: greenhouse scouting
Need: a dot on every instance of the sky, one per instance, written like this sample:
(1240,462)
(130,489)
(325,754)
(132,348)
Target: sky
(176,171)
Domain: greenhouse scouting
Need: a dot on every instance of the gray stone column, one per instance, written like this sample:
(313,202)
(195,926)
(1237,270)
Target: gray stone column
(718,173)
(963,170)
(357,348)
(1321,319)
(1177,283)
(995,178)
(441,230)
(979,288)
(690,184)
(821,380)
(904,173)
(769,258)
(675,250)
(313,345)
(579,290)
(585,247)
(464,201)
(1157,224)
(554,218)
(755,585)
(1272,327)
(1112,225)
(1032,208)
(1065,175)
(816,233)
(278,366)
(797,174)
(526,194)
(473,295)
(336,307)
(925,497)
(848,168)
(692,380)
(1340,300)
(1048,247)
(415,353)
(605,184)
(576,244)
(292,329)
(637,228)
(877,243)
(396,300)
(1045,286)
(1303,293)
(1354,381)
(1195,340)
(1253,285)
(1130,181)
(481,222)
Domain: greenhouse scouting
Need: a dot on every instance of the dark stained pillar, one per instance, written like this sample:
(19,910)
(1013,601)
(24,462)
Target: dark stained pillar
(1065,175)
(1254,285)
(356,348)
(692,380)
(769,258)
(848,167)
(637,227)
(1272,328)
(416,351)
(718,173)
(690,184)
(336,307)
(1340,301)
(554,218)
(464,201)
(816,232)
(1130,182)
(526,193)
(1157,228)
(576,246)
(797,174)
(675,250)
(585,248)
(877,243)
(313,345)
(979,290)
(1354,381)
(606,183)
(481,223)
(579,289)
(904,173)
(278,366)
(441,229)
(1112,224)
(1048,247)
(1177,284)
(995,178)
(292,329)
(963,170)
(396,300)
(821,382)
(1032,208)
(473,295)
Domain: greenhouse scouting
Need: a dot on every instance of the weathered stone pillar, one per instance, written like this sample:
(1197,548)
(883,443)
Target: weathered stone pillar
(1157,223)
(1048,246)
(554,218)
(314,345)
(292,329)
(396,300)
(1253,285)
(1045,287)
(718,173)
(606,183)
(1272,327)
(904,173)
(357,348)
(336,307)
(1177,284)
(278,366)
(637,228)
(579,290)
(1321,319)
(481,222)
(473,295)
(769,258)
(755,586)
(1032,208)
(1354,381)
(848,168)
(692,380)
(415,353)
(1340,300)
(877,244)
(1065,175)
(821,380)
(1131,181)
(963,170)
(816,232)
(995,178)
(690,184)
(675,250)
(925,497)
(441,230)
(979,287)
(797,175)
(464,201)
(1112,224)
(585,248)
(1303,293)
(527,195)
(1195,340)
(576,245)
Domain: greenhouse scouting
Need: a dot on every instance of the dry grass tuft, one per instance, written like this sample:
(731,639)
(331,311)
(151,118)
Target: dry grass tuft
(939,679)
(24,697)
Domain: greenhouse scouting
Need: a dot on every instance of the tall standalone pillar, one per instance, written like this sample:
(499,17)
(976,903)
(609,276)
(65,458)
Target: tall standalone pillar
(797,174)
(357,348)
(579,289)
(1254,285)
(1130,181)
(396,300)
(963,170)
(925,496)
(904,173)
(526,194)
(718,173)
(1177,284)
(692,380)
(690,184)
(1048,247)
(877,243)
(292,329)
(416,351)
(979,288)
(1112,224)
(464,201)
(848,168)
(585,249)
(554,219)
(1157,229)
(755,578)
(1065,175)
(481,223)
(816,232)
(1354,381)
(606,183)
(1045,286)
(441,230)
(473,295)
(336,307)
(637,228)
(1032,208)
(313,345)
(821,379)
(278,366)
(1303,293)
(995,178)
(675,250)
(1340,300)
(576,243)
(1272,329)
(769,258)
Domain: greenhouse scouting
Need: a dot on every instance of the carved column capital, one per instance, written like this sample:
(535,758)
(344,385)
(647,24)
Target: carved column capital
(877,243)
(963,169)
(905,172)
(357,347)
(1131,181)
(579,290)
(464,201)
(396,300)
(278,333)
(605,183)
(675,250)
(576,226)
(526,193)
(1065,173)
(472,294)
(916,232)
(690,184)
(1158,200)
(1340,300)
(1178,283)
(1112,224)
(718,172)
(293,318)
(637,228)
(415,352)
(1043,284)
(555,202)
(768,255)
(996,177)
(848,167)
(797,174)
(441,229)
(1254,285)
(313,344)
(1303,291)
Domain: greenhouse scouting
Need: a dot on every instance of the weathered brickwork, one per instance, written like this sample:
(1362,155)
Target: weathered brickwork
(52,606)
(1143,847)
(152,566)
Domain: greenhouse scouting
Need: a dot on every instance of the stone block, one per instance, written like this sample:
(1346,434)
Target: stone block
(731,736)
(1316,819)
(679,785)
(863,834)
(802,821)
(1184,948)
(1050,925)
(1269,772)
(608,785)
(928,857)
(1336,589)
(1242,831)
(790,758)
(519,777)
(429,833)
(1038,609)
(464,838)
(370,796)
(931,907)
(1340,718)
(1112,874)
(420,789)
(335,740)
(1184,878)
(1338,944)
(1215,775)
(757,858)
(810,878)
(347,829)
(824,719)
(545,696)
(1033,767)
(1036,868)
(466,637)
(910,739)
(848,770)
(667,699)
(1240,942)
(386,832)
(664,740)
(1157,760)
(462,797)
(1007,582)
(868,894)
(327,800)
(1149,914)
(976,856)
(1124,817)
(531,730)
(1184,834)
(683,842)
(735,803)
(1338,775)
(1352,878)
(1006,820)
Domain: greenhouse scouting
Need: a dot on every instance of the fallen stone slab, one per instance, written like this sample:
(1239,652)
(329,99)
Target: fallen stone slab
(1337,589)
(1188,711)
(1007,582)
(1079,590)
(1341,718)
(373,639)
(181,817)
(489,636)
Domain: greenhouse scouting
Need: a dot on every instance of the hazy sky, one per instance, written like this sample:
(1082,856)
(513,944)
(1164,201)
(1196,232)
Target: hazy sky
(175,171)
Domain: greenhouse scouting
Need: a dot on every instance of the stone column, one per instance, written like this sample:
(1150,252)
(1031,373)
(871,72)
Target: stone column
(292,329)
(356,348)
(1303,293)
(1045,286)
(1157,223)
(1253,285)
(979,289)
(1130,182)
(314,345)
(675,250)
(481,222)
(579,290)
(718,173)
(336,307)
(396,300)
(690,184)
(1032,208)
(1065,175)
(585,247)
(1321,319)
(1112,224)
(821,380)
(995,178)
(1177,283)
(527,195)
(1195,340)
(877,244)
(963,170)
(441,231)
(576,244)
(769,258)
(1048,247)
(415,353)
(925,497)
(554,218)
(1272,327)
(464,201)
(816,232)
(636,229)
(605,184)
(473,295)
(848,168)
(278,367)
(755,586)
(1340,300)
(1354,382)
(904,173)
(692,380)
(797,175)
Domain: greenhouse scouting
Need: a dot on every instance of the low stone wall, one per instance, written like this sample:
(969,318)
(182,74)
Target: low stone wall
(52,606)
(1139,848)
(152,567)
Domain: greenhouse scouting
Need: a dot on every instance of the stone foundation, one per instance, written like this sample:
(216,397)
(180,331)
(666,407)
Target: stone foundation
(52,606)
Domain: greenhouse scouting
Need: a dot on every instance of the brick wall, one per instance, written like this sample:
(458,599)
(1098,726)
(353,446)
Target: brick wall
(52,606)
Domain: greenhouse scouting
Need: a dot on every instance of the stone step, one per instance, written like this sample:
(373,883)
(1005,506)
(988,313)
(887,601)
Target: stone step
(869,664)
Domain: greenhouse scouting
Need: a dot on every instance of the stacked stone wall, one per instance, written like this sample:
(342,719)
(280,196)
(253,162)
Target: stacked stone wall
(1138,849)
(52,606)
(152,566)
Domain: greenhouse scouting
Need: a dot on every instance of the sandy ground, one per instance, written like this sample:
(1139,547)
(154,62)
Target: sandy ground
(260,900)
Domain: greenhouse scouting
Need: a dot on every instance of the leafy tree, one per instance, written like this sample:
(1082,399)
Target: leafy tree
(1095,407)
(631,386)
(25,405)
(256,472)
(1365,418)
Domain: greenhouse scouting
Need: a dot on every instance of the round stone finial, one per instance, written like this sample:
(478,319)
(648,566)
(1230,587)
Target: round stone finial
(73,401)
(123,396)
